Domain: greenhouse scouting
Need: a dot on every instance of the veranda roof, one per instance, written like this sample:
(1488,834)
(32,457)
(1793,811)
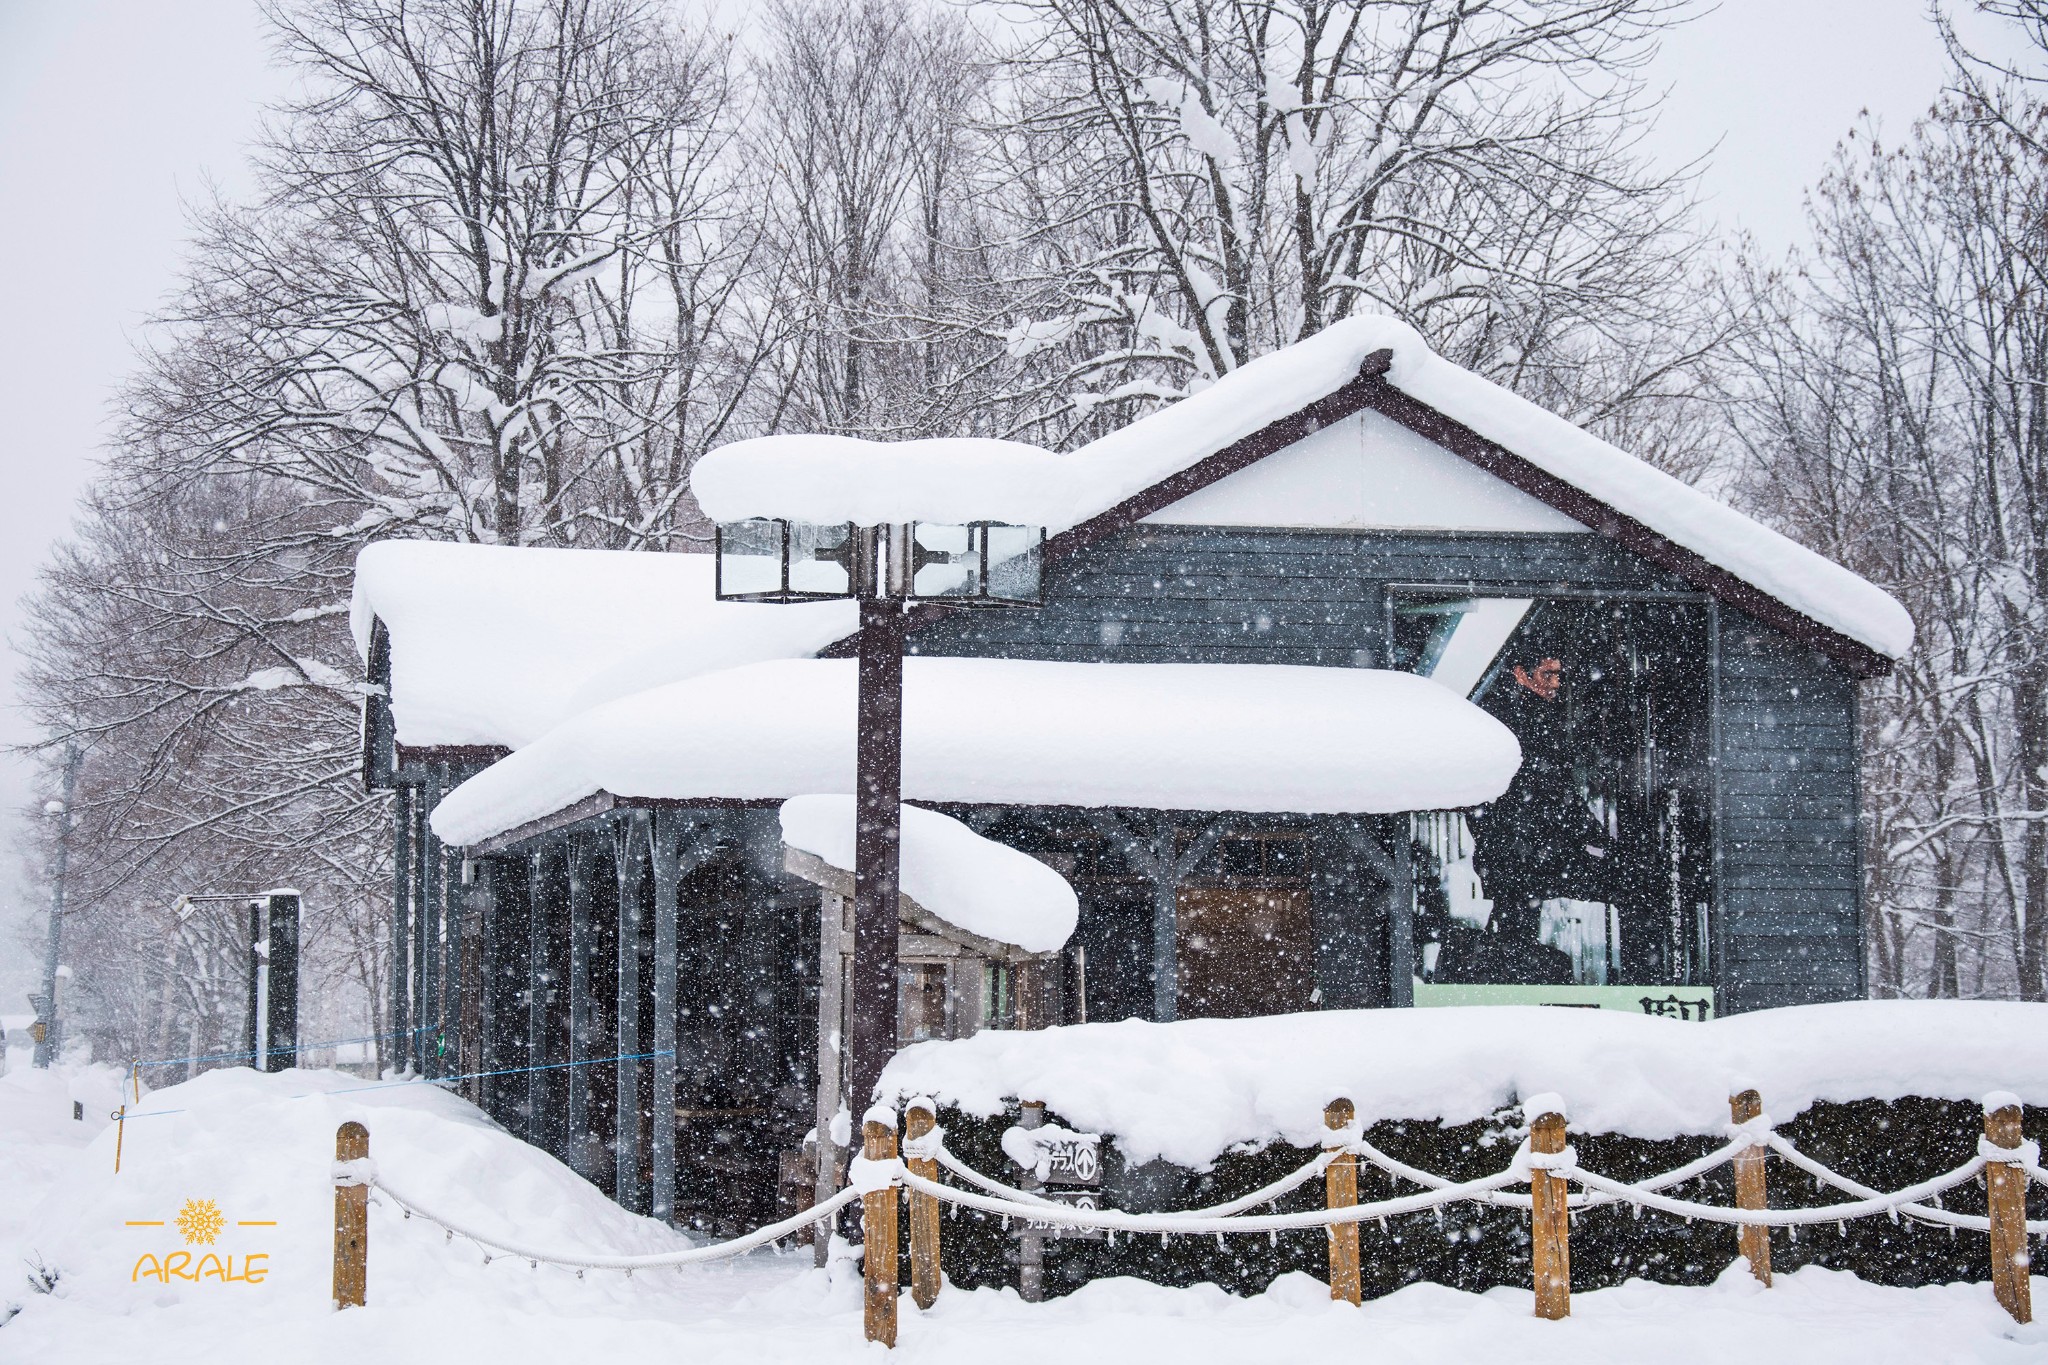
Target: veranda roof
(492,646)
(1213,737)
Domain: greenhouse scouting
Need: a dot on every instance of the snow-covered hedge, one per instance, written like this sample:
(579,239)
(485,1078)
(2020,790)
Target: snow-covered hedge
(1188,1092)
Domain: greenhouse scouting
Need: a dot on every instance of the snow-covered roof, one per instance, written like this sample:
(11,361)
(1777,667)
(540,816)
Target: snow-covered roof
(872,483)
(494,646)
(1129,461)
(1190,1091)
(974,883)
(1236,737)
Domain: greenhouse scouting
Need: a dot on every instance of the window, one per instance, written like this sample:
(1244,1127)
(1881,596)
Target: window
(1594,867)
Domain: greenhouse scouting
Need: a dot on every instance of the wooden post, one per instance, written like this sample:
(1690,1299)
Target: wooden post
(2006,1197)
(919,1122)
(878,1228)
(1755,1242)
(351,1220)
(1550,1223)
(1340,1181)
(1030,1245)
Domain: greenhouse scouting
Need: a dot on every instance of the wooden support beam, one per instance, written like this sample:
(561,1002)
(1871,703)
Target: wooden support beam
(918,1122)
(1749,1188)
(1340,1185)
(2005,1195)
(832,950)
(1401,961)
(536,995)
(422,1018)
(878,1226)
(632,867)
(662,1140)
(1550,1229)
(577,1077)
(351,1219)
(1161,861)
(433,896)
(396,1051)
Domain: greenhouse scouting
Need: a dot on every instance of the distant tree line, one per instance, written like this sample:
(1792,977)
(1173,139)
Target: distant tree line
(513,266)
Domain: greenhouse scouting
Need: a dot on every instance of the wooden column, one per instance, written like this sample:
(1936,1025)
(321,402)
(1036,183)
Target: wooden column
(878,789)
(919,1120)
(662,1139)
(536,995)
(422,1010)
(576,1075)
(396,1051)
(831,1052)
(1030,1245)
(1340,1185)
(351,1221)
(1750,1193)
(1401,920)
(434,951)
(2005,1187)
(878,1229)
(1551,1229)
(632,866)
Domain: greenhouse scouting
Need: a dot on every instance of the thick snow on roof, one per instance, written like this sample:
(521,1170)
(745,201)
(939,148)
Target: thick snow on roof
(980,885)
(1128,461)
(1245,737)
(493,645)
(870,483)
(1189,1091)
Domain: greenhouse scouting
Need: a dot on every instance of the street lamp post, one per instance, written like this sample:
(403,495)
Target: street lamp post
(886,568)
(49,1040)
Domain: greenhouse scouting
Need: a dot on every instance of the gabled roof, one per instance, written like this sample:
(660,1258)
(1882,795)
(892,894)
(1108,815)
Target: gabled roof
(1378,364)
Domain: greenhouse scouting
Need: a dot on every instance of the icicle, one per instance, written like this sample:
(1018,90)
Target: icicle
(532,1264)
(629,1272)
(1219,1241)
(1841,1227)
(487,1258)
(407,1213)
(579,1272)
(447,1236)
(1273,1237)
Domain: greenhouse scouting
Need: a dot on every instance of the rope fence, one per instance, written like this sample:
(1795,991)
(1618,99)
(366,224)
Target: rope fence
(881,1180)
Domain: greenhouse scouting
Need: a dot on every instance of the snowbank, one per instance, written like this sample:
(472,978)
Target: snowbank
(261,1148)
(1188,1091)
(872,483)
(1126,462)
(1242,737)
(980,885)
(494,645)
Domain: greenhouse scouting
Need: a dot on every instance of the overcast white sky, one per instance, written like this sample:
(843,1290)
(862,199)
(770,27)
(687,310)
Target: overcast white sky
(115,113)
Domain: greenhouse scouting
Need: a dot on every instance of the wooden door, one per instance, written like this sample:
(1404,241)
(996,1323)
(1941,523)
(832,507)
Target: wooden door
(1243,951)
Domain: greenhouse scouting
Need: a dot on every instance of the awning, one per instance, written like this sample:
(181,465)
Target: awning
(1196,737)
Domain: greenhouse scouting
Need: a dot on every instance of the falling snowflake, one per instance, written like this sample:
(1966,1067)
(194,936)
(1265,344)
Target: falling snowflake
(200,1221)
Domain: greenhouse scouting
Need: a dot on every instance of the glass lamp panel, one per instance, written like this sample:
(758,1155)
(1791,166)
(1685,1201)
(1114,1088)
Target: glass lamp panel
(942,562)
(1016,560)
(820,559)
(750,559)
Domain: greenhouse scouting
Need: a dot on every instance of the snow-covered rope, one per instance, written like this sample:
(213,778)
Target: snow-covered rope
(1927,1213)
(1180,1224)
(1774,1218)
(1293,1180)
(579,1261)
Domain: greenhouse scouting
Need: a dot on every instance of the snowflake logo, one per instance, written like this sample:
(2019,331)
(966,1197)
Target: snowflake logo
(200,1221)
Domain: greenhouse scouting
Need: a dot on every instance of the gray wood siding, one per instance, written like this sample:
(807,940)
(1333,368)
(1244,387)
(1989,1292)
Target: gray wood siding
(1789,930)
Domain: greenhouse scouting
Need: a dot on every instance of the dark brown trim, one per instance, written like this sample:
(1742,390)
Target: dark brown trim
(588,808)
(1497,460)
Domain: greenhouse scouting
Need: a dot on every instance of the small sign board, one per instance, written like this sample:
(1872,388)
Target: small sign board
(1076,1157)
(1080,1199)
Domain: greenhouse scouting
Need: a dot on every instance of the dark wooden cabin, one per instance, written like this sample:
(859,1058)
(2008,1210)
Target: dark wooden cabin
(1406,516)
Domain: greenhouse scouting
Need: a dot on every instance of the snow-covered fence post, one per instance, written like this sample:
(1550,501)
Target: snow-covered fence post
(1550,1223)
(1755,1242)
(351,1214)
(919,1121)
(2005,1187)
(878,1230)
(1340,1183)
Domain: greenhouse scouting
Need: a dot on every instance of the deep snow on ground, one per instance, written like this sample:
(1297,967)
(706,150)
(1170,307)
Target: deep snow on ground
(260,1147)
